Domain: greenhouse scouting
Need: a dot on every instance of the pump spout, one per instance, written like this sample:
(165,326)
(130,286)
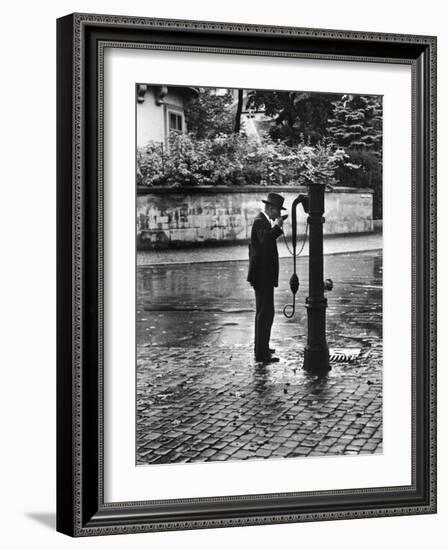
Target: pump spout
(300,199)
(289,310)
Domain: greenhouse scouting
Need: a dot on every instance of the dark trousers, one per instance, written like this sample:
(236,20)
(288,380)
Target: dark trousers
(264,317)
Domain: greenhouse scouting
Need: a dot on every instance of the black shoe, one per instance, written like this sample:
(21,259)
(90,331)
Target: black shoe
(266,360)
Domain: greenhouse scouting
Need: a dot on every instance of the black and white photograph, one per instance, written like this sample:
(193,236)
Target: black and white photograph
(259,274)
(221,244)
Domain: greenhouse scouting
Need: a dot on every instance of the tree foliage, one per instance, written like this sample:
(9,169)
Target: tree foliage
(207,115)
(357,123)
(296,115)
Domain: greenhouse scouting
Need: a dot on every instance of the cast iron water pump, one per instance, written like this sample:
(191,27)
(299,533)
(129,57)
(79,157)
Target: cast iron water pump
(316,354)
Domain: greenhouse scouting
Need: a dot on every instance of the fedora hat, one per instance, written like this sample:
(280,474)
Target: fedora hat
(275,199)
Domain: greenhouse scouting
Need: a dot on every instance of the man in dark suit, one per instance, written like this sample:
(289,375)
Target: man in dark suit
(263,272)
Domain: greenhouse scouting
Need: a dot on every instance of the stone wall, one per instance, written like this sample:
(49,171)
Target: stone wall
(169,217)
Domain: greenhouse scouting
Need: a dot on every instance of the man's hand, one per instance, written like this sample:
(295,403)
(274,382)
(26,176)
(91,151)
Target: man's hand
(279,222)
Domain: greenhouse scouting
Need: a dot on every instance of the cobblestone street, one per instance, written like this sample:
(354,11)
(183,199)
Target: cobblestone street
(202,397)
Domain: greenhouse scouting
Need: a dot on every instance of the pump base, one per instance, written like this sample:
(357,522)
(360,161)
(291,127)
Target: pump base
(316,361)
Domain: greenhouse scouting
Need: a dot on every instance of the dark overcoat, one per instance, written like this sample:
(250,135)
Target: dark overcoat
(263,253)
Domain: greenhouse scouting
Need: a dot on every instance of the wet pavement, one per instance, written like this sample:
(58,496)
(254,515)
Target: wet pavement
(200,394)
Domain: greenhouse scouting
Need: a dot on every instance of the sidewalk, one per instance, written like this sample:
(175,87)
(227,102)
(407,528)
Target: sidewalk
(337,244)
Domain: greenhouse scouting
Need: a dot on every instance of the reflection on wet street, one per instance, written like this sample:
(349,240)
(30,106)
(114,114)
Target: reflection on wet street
(211,303)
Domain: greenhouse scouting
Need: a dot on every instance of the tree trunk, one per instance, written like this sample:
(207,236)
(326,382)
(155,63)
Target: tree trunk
(238,112)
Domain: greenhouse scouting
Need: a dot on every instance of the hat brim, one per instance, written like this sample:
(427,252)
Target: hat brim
(272,204)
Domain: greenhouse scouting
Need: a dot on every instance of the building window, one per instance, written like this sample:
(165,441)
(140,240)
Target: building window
(175,122)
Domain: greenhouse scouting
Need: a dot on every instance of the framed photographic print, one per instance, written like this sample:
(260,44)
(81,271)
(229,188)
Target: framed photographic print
(246,274)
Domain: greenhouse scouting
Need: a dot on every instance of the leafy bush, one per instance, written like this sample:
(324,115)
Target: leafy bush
(235,159)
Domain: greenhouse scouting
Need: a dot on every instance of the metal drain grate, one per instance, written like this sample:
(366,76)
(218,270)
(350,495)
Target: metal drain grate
(344,355)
